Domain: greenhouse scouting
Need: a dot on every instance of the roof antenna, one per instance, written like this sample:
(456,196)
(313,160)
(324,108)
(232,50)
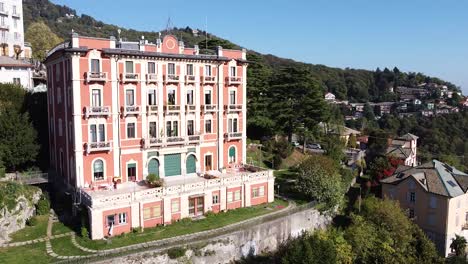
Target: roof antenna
(169,25)
(206,32)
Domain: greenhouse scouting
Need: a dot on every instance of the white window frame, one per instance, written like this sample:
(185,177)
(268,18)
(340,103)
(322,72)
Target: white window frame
(151,91)
(103,169)
(175,68)
(101,99)
(208,70)
(134,96)
(133,66)
(175,202)
(229,196)
(123,218)
(211,125)
(237,195)
(136,168)
(169,90)
(97,123)
(135,130)
(215,201)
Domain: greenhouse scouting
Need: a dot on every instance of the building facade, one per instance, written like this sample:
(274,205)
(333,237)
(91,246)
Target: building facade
(405,149)
(120,111)
(435,197)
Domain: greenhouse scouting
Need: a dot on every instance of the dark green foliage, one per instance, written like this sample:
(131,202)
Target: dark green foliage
(43,205)
(32,221)
(307,249)
(11,191)
(458,245)
(177,252)
(84,232)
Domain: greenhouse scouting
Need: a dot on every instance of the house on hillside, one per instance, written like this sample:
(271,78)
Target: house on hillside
(330,97)
(435,196)
(404,148)
(464,102)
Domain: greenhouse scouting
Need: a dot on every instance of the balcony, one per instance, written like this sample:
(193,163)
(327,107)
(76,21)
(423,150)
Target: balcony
(4,27)
(190,108)
(208,79)
(234,80)
(171,78)
(130,110)
(174,141)
(233,136)
(4,12)
(209,108)
(172,109)
(96,77)
(233,108)
(97,111)
(151,78)
(193,139)
(16,14)
(130,77)
(97,146)
(152,109)
(189,78)
(153,142)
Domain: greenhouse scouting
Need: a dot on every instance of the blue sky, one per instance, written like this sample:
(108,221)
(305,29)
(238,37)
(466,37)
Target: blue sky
(428,36)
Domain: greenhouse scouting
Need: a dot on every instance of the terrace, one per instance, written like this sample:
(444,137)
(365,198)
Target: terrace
(102,195)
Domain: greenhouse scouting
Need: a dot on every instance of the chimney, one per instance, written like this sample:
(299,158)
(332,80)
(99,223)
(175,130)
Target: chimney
(219,50)
(196,50)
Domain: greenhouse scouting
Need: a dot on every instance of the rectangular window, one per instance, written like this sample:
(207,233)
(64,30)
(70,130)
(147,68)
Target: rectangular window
(190,97)
(129,67)
(172,128)
(207,70)
(175,206)
(110,220)
(232,97)
(233,71)
(156,211)
(147,213)
(130,97)
(15,22)
(171,69)
(96,97)
(2,7)
(14,10)
(215,199)
(261,191)
(232,125)
(95,67)
(152,97)
(208,126)
(208,97)
(93,133)
(190,69)
(171,97)
(131,130)
(237,195)
(208,162)
(131,171)
(255,193)
(153,131)
(433,202)
(122,218)
(101,133)
(229,197)
(151,68)
(17,81)
(60,127)
(412,197)
(411,213)
(190,128)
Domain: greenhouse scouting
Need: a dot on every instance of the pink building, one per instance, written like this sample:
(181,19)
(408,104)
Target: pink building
(120,111)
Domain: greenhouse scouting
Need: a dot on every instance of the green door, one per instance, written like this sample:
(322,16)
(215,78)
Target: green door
(191,164)
(153,167)
(232,154)
(172,165)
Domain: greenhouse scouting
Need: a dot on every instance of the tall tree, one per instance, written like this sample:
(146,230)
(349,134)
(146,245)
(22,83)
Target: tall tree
(41,38)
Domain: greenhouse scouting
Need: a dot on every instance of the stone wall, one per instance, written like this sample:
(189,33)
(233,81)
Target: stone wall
(14,220)
(256,239)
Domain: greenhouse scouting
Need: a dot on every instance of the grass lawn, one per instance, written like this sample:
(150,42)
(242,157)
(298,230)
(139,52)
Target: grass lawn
(64,247)
(35,253)
(60,228)
(185,226)
(32,232)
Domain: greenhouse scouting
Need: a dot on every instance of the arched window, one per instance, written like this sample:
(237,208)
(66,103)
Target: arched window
(98,170)
(232,155)
(153,167)
(191,166)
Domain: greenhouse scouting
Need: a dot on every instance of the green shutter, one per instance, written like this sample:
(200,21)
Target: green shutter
(153,167)
(172,165)
(191,164)
(232,152)
(131,165)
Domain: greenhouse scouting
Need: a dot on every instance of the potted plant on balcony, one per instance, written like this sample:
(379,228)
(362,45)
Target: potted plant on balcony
(153,180)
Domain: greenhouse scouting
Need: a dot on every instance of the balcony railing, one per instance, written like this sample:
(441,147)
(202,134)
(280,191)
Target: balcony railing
(130,77)
(209,108)
(151,77)
(190,108)
(208,79)
(174,141)
(233,136)
(193,139)
(16,14)
(233,108)
(4,12)
(189,78)
(151,109)
(171,78)
(234,80)
(96,76)
(97,111)
(97,146)
(154,142)
(4,26)
(172,109)
(130,110)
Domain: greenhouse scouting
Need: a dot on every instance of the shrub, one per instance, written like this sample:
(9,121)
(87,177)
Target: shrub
(43,206)
(2,172)
(136,230)
(154,180)
(31,221)
(177,252)
(209,214)
(84,232)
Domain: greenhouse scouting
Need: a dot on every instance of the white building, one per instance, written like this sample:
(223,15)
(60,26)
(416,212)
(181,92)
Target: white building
(330,97)
(15,66)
